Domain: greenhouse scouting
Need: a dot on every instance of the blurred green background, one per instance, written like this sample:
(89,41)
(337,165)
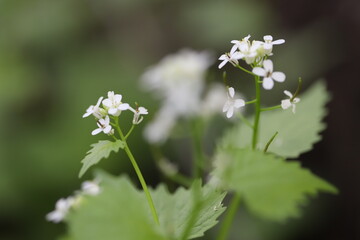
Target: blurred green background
(58,56)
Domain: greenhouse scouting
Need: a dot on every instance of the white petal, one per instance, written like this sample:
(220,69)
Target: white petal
(296,100)
(111,94)
(278,76)
(87,114)
(223,63)
(113,111)
(267,46)
(118,98)
(124,106)
(237,55)
(226,106)
(107,102)
(99,101)
(285,104)
(223,57)
(293,108)
(259,71)
(143,110)
(231,92)
(268,83)
(230,112)
(233,49)
(277,42)
(287,93)
(239,103)
(268,38)
(107,129)
(268,65)
(107,120)
(96,131)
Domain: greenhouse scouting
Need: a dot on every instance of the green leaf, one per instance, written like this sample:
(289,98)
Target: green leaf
(176,210)
(99,150)
(120,211)
(296,132)
(271,187)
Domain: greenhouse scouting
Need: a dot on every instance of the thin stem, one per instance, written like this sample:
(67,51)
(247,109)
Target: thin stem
(130,131)
(245,70)
(270,108)
(270,141)
(252,101)
(229,217)
(199,159)
(138,173)
(257,113)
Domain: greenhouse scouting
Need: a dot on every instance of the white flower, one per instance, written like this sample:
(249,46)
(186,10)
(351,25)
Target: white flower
(178,79)
(137,114)
(61,209)
(104,126)
(231,58)
(286,103)
(114,104)
(238,45)
(232,103)
(90,187)
(268,74)
(252,51)
(94,110)
(268,45)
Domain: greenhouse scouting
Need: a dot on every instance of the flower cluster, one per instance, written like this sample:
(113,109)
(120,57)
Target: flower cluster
(251,52)
(111,106)
(255,53)
(63,205)
(179,81)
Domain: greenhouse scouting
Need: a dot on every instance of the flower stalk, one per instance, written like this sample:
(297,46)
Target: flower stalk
(138,173)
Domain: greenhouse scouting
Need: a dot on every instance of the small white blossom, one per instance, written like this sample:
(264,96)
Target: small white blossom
(286,103)
(90,187)
(238,45)
(268,74)
(95,110)
(137,114)
(61,209)
(231,58)
(178,80)
(104,126)
(268,45)
(114,105)
(252,51)
(232,103)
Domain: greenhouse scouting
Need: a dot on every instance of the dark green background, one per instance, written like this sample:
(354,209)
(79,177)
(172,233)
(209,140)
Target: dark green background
(58,56)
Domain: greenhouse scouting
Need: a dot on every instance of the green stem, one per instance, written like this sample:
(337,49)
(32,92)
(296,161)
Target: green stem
(230,214)
(199,159)
(252,101)
(270,141)
(245,70)
(270,108)
(138,173)
(257,113)
(129,132)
